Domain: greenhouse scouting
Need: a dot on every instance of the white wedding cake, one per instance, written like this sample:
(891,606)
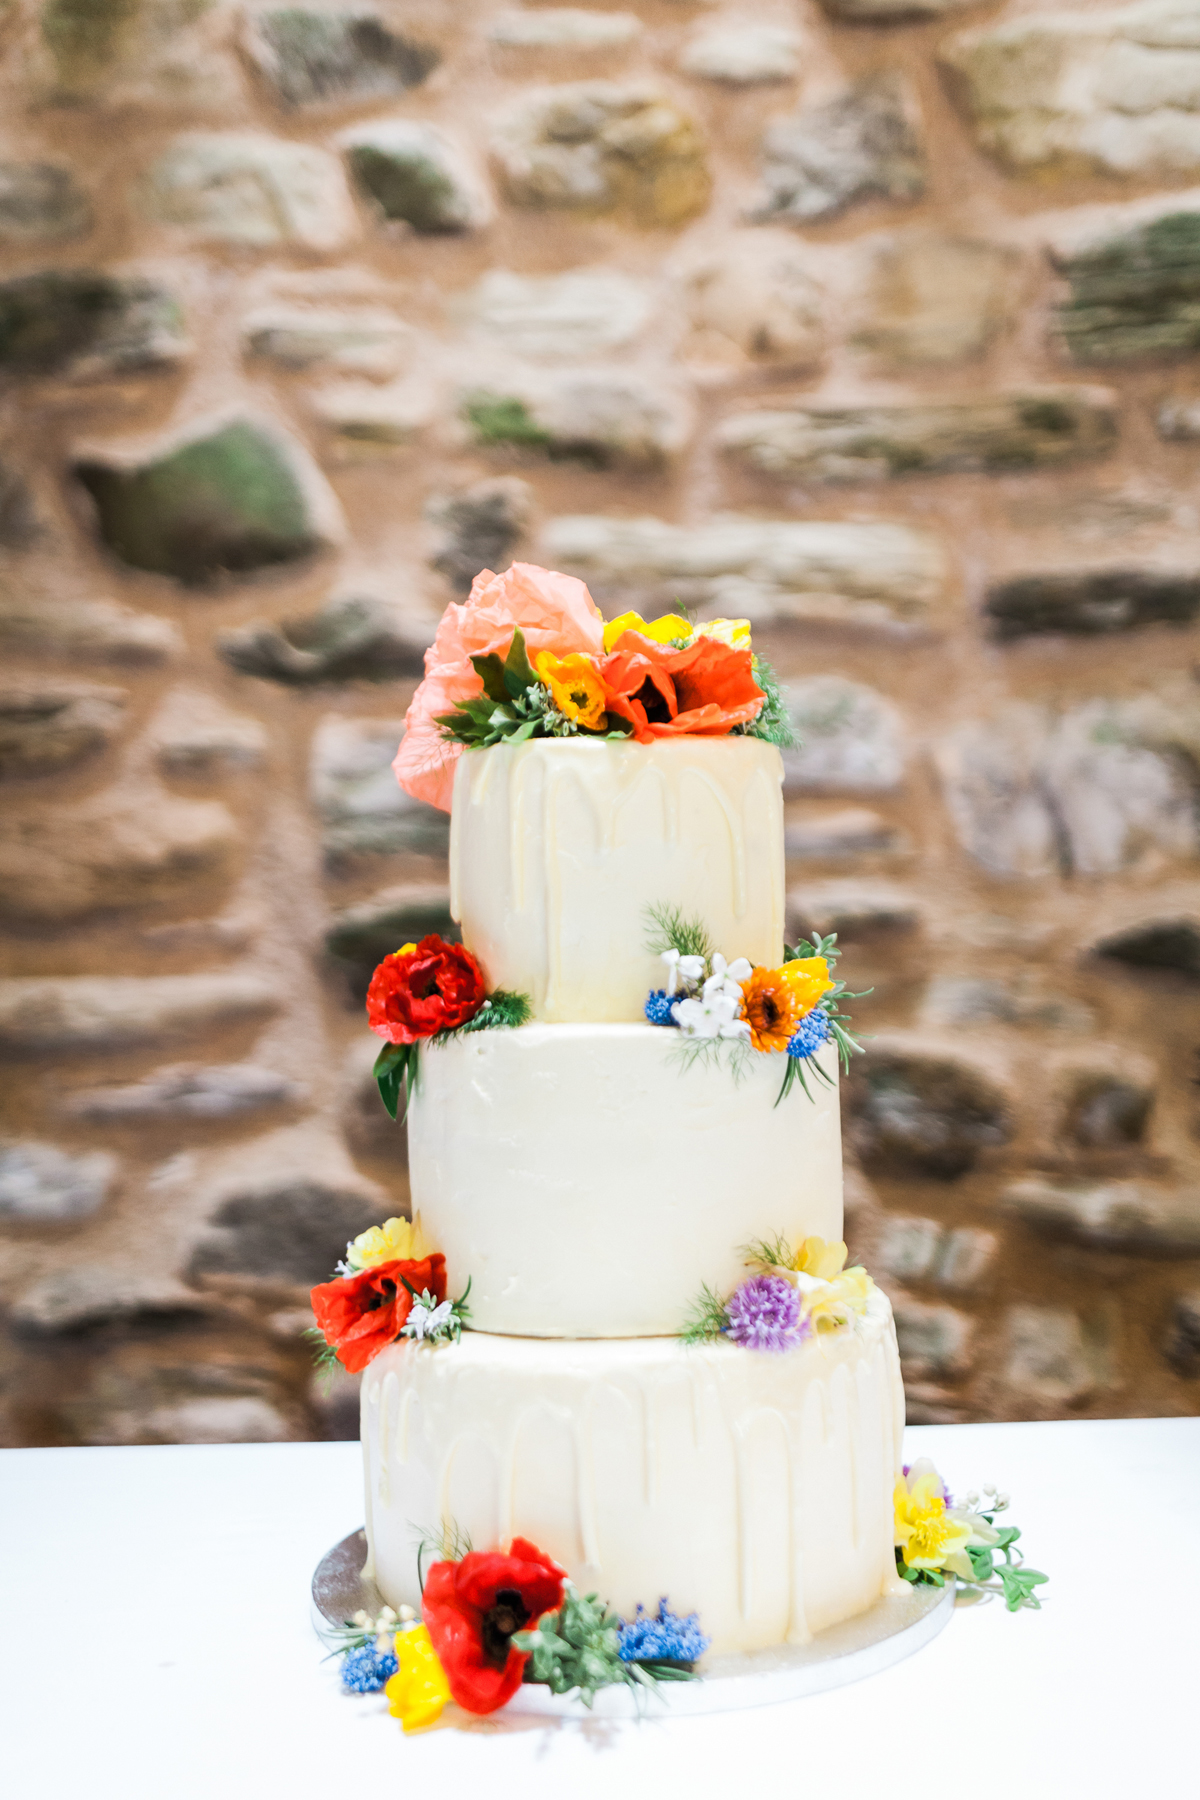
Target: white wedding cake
(589,1183)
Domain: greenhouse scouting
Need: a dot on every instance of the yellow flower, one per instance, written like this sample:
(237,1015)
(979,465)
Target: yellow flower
(576,686)
(394,1240)
(829,1292)
(418,1690)
(808,978)
(734,632)
(406,950)
(930,1536)
(667,630)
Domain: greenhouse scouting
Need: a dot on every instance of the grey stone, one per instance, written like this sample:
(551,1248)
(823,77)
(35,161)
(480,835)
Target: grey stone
(1060,93)
(1088,792)
(364,810)
(292,1230)
(979,1000)
(42,1185)
(188,1091)
(1166,943)
(608,417)
(853,909)
(19,522)
(76,1300)
(354,638)
(925,1251)
(932,298)
(47,726)
(1049,1360)
(1134,285)
(371,419)
(364,340)
(1113,1215)
(1182,1345)
(478,528)
(82,1014)
(770,571)
(132,846)
(41,203)
(564,28)
(194,734)
(93,631)
(219,1419)
(601,147)
(742,53)
(336,1404)
(933,1340)
(997,433)
(1090,602)
(412,172)
(918,1112)
(851,739)
(361,936)
(865,144)
(159,55)
(856,831)
(1178,420)
(571,317)
(891,12)
(320,57)
(87,325)
(231,187)
(229,501)
(1102,1110)
(758,296)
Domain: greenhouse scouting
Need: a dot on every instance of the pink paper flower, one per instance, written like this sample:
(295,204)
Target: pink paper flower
(555,612)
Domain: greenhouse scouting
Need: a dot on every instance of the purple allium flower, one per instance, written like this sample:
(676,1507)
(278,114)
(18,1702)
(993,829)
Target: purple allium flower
(660,1007)
(661,1636)
(811,1033)
(764,1314)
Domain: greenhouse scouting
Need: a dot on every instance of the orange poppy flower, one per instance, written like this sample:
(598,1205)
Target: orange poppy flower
(703,691)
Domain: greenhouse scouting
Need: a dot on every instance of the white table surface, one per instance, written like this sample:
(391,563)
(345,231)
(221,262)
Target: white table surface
(157,1642)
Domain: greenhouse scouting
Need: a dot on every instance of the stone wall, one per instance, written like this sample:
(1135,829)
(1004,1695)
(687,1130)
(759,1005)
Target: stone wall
(876,321)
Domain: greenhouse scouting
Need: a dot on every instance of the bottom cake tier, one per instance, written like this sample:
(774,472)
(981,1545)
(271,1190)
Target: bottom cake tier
(754,1489)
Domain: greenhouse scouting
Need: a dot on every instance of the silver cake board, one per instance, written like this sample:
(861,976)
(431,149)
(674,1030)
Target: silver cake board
(897,1626)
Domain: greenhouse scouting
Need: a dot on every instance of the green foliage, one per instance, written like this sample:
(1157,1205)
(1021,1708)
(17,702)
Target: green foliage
(774,722)
(500,1011)
(576,1650)
(503,419)
(441,1543)
(326,1361)
(395,1073)
(772,1253)
(667,929)
(1011,1577)
(830,1004)
(707,1320)
(514,706)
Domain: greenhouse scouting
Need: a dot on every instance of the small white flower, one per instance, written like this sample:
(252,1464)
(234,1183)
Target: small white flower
(387,1617)
(671,958)
(712,1016)
(407,1614)
(692,968)
(364,1619)
(685,969)
(426,1319)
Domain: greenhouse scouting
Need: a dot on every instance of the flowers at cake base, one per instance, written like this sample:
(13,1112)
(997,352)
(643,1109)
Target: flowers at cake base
(934,1538)
(428,993)
(661,1637)
(586,1646)
(474,1607)
(418,1691)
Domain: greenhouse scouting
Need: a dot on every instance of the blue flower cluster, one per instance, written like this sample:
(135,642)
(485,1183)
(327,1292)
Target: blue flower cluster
(813,1032)
(661,1636)
(365,1669)
(658,1007)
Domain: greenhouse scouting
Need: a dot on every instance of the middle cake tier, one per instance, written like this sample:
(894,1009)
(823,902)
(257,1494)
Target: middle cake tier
(590,1181)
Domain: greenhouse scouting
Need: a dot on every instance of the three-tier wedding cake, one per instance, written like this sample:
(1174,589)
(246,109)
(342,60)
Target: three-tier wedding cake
(669,1382)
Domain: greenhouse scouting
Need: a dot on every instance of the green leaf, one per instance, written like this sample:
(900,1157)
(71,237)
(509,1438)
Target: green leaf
(982,1561)
(1018,1583)
(774,723)
(491,672)
(707,1320)
(1006,1535)
(519,672)
(668,929)
(395,1071)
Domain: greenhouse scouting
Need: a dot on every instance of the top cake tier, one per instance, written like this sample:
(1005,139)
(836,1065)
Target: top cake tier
(559,846)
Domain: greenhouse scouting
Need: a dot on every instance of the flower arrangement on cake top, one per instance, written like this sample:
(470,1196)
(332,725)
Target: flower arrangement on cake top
(390,1286)
(491,1620)
(529,655)
(796,1292)
(794,1009)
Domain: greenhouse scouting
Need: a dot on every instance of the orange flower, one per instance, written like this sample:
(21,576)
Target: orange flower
(703,691)
(771,1005)
(575,683)
(808,978)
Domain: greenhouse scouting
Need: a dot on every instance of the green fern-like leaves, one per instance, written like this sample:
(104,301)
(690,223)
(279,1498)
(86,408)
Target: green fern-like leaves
(707,1320)
(668,929)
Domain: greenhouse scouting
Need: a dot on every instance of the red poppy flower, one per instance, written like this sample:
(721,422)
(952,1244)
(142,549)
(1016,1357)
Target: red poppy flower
(702,691)
(472,1608)
(430,988)
(362,1314)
